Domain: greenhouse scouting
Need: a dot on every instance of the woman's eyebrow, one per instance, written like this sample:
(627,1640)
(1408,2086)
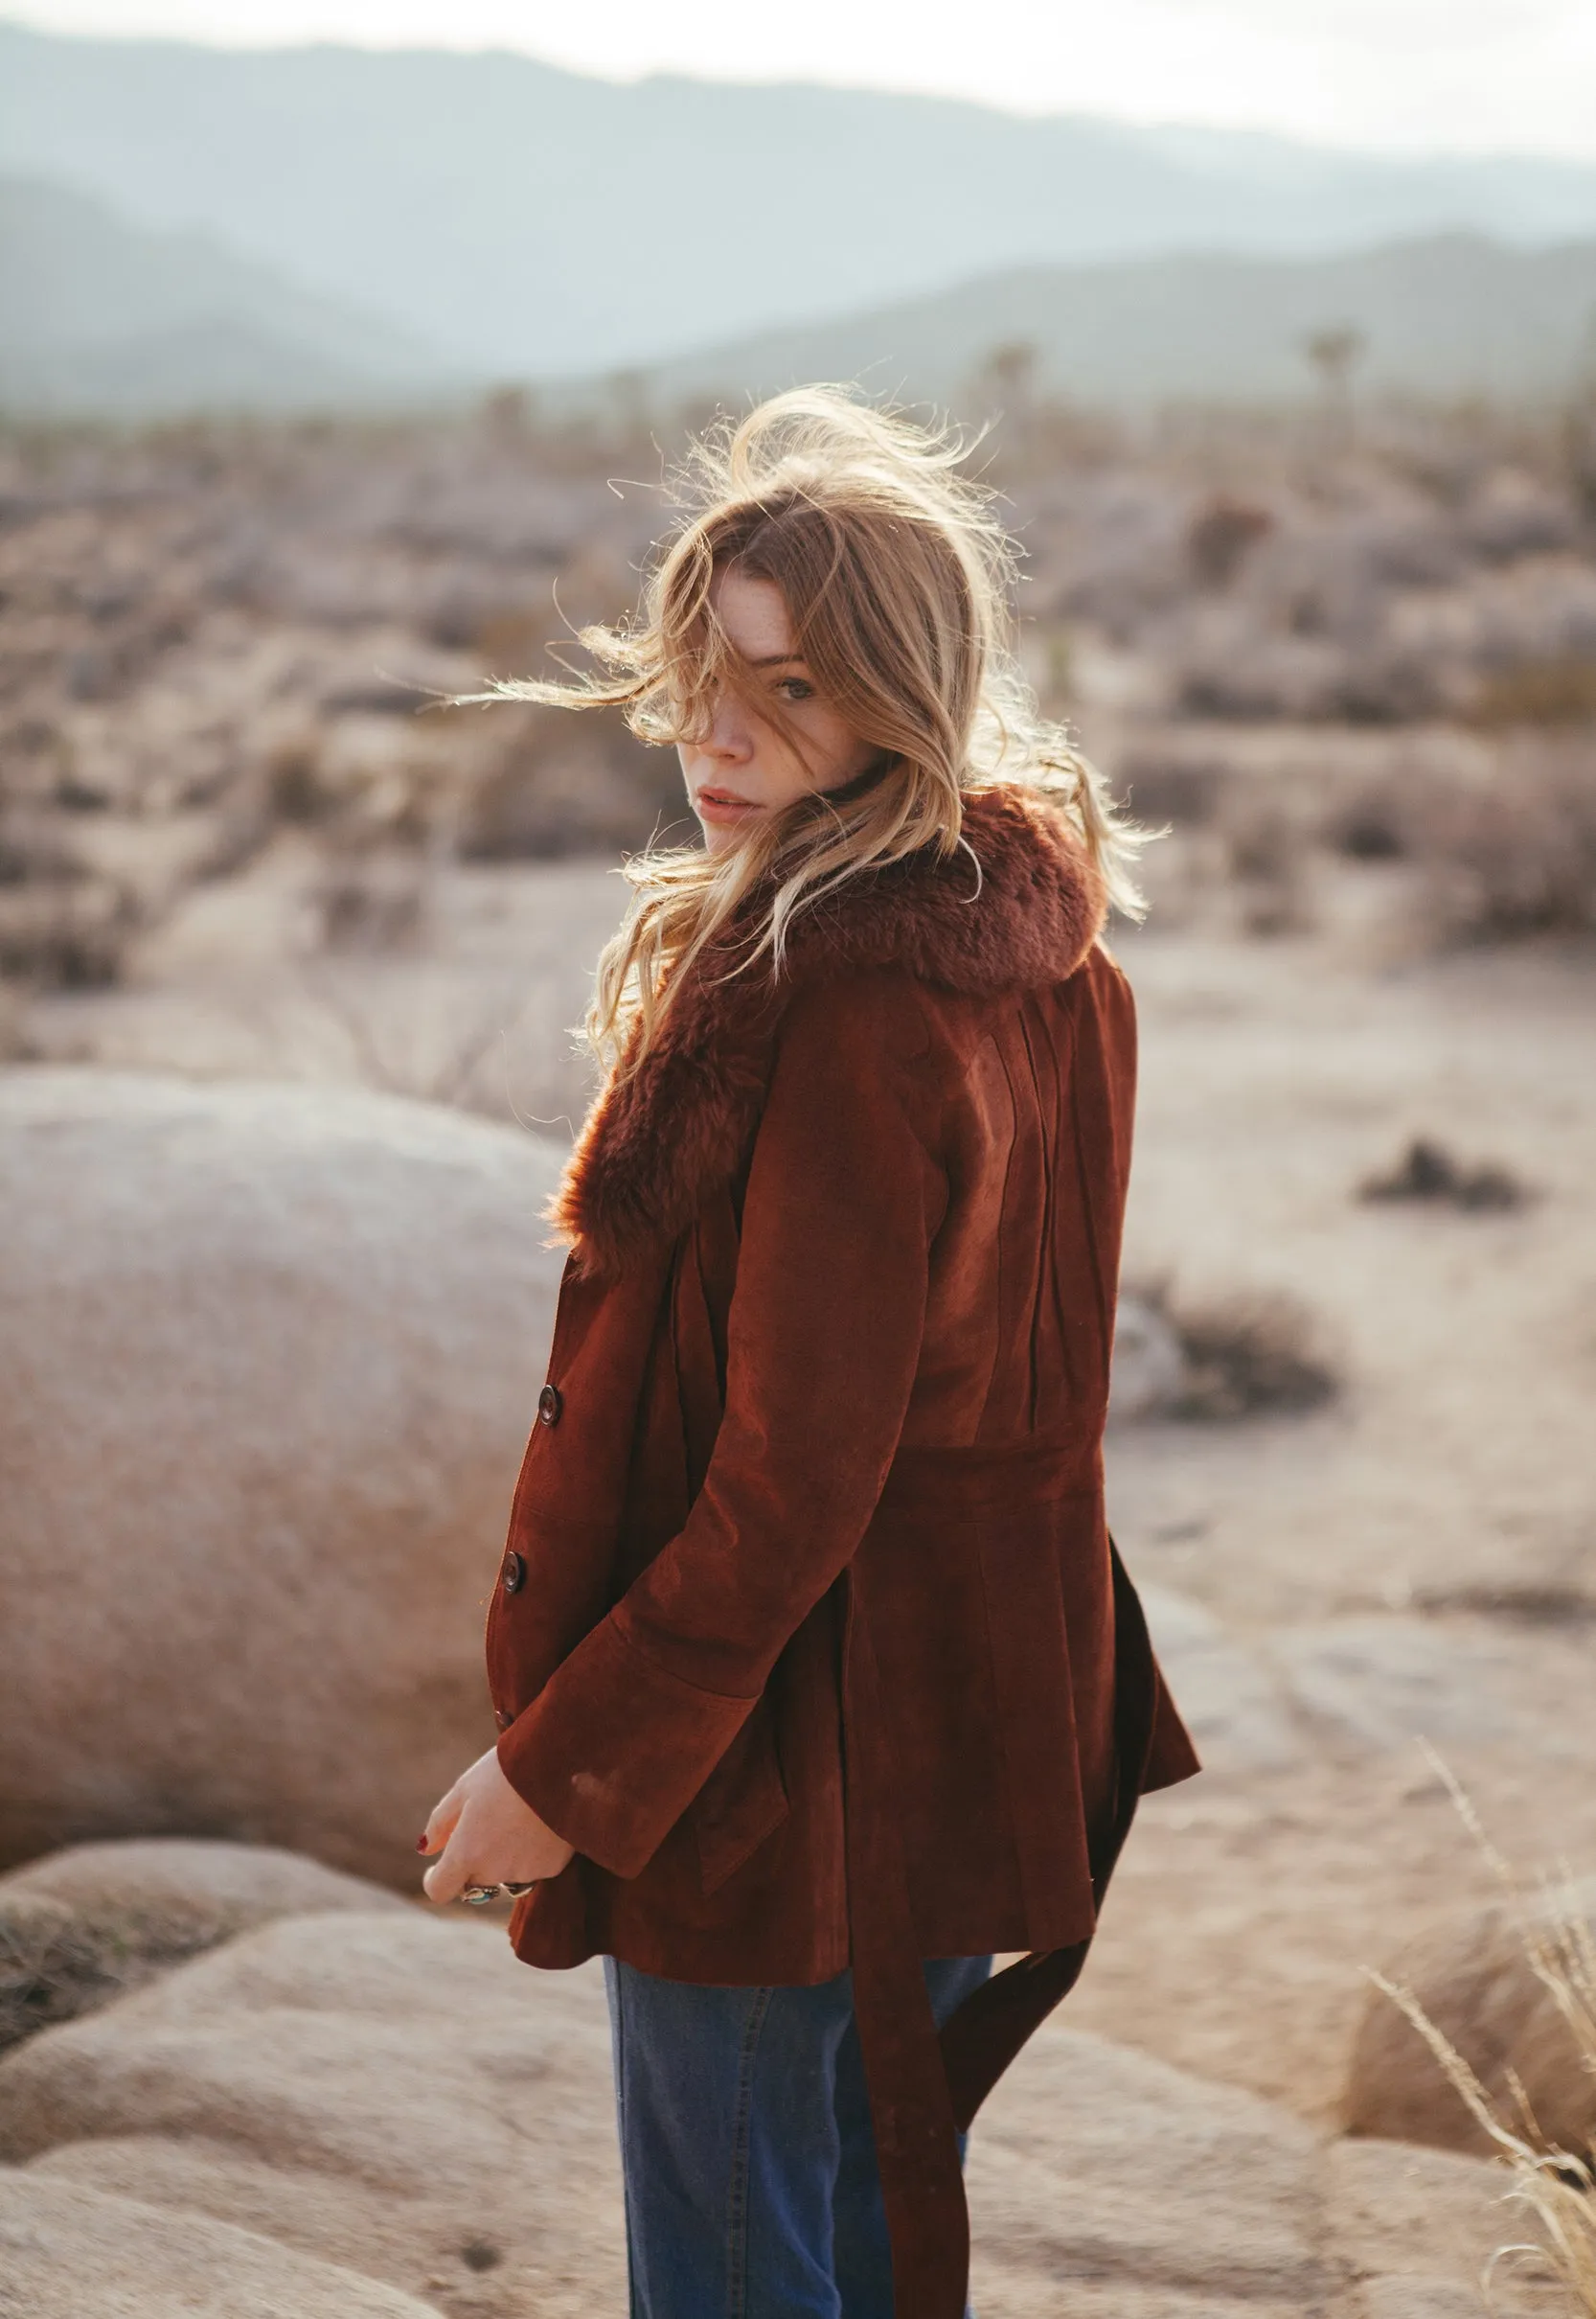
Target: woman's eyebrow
(779,660)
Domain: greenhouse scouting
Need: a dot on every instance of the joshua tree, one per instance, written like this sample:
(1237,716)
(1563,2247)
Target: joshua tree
(1006,382)
(1012,369)
(1579,423)
(1334,353)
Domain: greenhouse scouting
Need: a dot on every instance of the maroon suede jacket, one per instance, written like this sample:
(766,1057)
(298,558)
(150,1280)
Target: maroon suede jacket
(808,1634)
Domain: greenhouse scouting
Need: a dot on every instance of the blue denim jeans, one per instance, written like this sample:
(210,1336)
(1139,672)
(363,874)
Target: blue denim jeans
(747,2147)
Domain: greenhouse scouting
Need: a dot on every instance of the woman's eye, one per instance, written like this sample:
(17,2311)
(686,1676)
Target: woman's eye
(796,688)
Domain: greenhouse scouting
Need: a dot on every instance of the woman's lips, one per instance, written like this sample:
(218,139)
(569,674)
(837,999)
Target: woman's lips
(722,805)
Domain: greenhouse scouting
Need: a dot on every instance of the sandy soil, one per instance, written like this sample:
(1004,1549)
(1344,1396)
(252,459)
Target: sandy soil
(1440,1516)
(1418,1557)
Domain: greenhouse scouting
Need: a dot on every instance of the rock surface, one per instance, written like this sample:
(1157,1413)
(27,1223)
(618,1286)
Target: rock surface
(82,1926)
(270,1364)
(1347,1687)
(1413,2231)
(1150,1367)
(1378,1684)
(394,2095)
(68,2252)
(1474,1979)
(1233,1700)
(390,2092)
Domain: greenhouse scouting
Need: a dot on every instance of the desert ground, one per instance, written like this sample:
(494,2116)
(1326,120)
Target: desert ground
(1354,675)
(1416,1557)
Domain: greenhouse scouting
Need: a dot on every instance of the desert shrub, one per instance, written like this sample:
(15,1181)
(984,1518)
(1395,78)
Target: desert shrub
(1370,831)
(240,830)
(1253,1352)
(551,785)
(512,638)
(369,901)
(1298,675)
(292,776)
(1515,856)
(1160,786)
(1427,1171)
(374,696)
(1274,678)
(1265,841)
(1269,848)
(14,1025)
(1500,834)
(1220,536)
(66,933)
(32,853)
(1387,686)
(1533,1602)
(1513,515)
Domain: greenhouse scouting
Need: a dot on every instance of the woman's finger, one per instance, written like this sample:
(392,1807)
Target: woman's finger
(449,1877)
(442,1820)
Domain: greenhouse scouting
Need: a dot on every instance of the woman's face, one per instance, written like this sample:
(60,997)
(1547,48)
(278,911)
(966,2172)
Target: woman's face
(745,768)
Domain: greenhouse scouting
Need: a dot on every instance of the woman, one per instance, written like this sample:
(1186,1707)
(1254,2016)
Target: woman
(817,1679)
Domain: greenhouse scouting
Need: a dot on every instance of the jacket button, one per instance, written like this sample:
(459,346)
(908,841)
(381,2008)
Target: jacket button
(513,1575)
(550,1402)
(503,1717)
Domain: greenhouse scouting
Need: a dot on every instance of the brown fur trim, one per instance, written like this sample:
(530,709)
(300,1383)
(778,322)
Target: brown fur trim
(654,1145)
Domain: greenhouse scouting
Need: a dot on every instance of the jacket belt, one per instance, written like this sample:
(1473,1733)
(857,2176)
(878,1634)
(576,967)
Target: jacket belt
(924,2088)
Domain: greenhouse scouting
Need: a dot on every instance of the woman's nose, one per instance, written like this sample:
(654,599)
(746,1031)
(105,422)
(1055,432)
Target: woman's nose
(729,738)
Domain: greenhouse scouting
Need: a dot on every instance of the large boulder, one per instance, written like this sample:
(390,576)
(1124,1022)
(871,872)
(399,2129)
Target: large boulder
(1413,2233)
(1232,1698)
(394,2095)
(82,1926)
(1474,1980)
(270,1359)
(68,2252)
(1345,1688)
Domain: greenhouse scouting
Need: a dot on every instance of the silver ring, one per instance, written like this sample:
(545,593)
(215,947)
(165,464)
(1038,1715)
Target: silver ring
(478,1895)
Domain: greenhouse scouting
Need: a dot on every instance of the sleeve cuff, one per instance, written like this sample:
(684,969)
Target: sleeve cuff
(615,1747)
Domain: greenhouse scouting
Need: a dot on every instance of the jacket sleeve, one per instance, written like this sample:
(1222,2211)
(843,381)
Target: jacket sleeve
(823,1341)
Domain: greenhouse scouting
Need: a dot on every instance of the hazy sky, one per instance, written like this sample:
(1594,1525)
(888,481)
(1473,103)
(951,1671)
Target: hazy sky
(1411,73)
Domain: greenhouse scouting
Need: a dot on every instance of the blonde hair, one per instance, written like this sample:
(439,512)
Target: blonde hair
(896,578)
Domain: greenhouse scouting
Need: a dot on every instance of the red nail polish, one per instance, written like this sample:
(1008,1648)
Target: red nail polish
(420,1843)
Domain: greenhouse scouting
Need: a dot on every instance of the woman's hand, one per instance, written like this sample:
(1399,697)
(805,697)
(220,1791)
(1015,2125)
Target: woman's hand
(488,1834)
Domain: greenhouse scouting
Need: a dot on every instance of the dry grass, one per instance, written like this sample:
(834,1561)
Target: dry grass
(57,1961)
(1556,2188)
(1539,692)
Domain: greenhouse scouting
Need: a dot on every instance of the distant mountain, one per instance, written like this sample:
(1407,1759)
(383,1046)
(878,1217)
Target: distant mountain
(1448,316)
(528,221)
(104,317)
(101,316)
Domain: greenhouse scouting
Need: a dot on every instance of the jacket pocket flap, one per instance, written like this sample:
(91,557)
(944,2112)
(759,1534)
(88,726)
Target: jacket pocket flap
(743,1801)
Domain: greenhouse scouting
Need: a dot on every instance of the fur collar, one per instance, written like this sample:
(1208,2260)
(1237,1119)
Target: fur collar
(654,1146)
